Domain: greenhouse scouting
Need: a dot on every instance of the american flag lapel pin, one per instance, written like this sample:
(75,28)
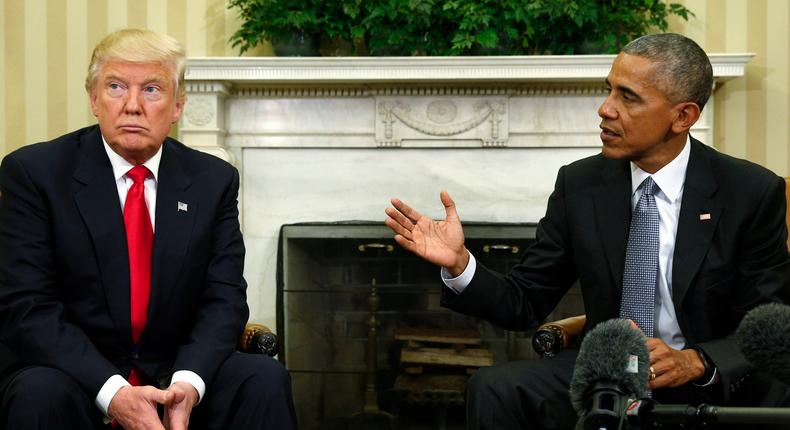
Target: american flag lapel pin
(182,207)
(705,216)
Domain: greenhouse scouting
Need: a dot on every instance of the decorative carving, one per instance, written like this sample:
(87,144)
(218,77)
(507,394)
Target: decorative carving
(442,120)
(207,87)
(199,111)
(400,110)
(441,111)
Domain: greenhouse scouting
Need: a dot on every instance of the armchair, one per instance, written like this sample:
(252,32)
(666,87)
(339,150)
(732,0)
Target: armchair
(258,339)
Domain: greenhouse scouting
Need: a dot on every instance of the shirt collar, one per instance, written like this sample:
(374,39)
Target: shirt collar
(669,178)
(120,166)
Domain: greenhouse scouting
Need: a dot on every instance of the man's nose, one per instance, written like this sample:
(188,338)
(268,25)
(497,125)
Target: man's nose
(607,110)
(133,101)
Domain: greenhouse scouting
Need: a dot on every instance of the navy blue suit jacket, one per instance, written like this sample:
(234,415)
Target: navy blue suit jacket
(64,273)
(723,265)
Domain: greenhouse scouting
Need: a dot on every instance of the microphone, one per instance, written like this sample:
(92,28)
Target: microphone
(611,370)
(764,339)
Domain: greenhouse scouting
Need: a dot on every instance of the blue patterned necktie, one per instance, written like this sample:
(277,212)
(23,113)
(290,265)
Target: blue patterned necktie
(641,261)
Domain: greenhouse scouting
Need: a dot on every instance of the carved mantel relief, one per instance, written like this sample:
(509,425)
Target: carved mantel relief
(425,118)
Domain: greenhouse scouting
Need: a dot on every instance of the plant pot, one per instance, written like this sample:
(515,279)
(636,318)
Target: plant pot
(337,47)
(298,44)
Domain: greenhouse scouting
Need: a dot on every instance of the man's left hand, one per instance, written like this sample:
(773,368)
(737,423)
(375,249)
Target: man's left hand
(672,367)
(178,410)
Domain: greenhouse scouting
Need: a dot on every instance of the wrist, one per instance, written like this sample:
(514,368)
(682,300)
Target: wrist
(460,263)
(706,368)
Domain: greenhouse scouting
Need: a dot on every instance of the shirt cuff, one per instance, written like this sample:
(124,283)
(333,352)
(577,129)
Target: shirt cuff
(108,391)
(191,378)
(713,379)
(460,282)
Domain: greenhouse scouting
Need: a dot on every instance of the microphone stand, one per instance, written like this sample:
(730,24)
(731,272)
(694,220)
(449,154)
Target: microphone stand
(649,415)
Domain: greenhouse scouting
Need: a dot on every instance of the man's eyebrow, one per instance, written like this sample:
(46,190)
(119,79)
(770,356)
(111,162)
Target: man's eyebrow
(155,78)
(114,78)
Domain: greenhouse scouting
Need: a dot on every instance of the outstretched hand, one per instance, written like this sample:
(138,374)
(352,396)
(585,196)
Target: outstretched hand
(440,242)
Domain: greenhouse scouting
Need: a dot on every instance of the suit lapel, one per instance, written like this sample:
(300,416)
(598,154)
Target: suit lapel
(699,215)
(100,208)
(613,215)
(176,209)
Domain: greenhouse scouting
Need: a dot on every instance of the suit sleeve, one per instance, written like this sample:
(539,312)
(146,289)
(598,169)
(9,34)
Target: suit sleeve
(222,310)
(32,317)
(524,297)
(763,275)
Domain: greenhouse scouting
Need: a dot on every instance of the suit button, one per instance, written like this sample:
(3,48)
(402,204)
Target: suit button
(136,356)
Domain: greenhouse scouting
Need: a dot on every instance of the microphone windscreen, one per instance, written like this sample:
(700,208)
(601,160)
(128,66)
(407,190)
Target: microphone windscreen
(614,352)
(764,339)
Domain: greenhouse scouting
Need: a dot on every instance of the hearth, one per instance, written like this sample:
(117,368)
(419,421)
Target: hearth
(334,278)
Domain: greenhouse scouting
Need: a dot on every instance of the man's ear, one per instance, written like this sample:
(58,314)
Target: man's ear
(92,97)
(179,108)
(687,115)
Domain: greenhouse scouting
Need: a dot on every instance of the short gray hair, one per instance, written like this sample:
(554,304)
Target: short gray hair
(684,70)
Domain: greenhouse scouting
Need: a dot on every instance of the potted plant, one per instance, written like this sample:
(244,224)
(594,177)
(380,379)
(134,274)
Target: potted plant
(457,27)
(291,27)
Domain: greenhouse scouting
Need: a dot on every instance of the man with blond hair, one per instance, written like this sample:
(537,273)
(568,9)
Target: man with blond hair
(121,259)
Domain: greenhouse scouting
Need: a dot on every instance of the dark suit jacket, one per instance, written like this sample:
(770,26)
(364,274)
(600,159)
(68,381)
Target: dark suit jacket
(64,271)
(722,266)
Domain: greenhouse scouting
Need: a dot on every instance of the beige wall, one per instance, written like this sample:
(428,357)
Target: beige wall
(46,46)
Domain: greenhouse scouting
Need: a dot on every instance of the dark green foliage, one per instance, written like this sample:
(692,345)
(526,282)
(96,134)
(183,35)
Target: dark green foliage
(458,27)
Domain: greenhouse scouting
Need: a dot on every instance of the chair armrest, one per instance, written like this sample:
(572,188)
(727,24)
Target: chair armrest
(258,339)
(552,337)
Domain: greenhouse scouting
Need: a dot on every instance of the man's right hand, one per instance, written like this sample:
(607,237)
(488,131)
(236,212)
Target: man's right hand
(440,242)
(135,407)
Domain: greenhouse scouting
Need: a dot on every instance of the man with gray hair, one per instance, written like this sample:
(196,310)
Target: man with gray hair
(121,260)
(658,228)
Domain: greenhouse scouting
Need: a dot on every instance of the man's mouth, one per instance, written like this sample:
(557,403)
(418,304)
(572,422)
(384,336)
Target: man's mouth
(607,133)
(132,128)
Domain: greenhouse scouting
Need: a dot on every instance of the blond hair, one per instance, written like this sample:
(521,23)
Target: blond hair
(138,46)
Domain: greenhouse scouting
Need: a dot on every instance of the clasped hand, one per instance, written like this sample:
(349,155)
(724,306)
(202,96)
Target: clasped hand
(672,367)
(440,242)
(135,407)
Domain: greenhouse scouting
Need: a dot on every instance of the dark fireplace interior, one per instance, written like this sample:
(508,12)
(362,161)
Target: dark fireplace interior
(347,290)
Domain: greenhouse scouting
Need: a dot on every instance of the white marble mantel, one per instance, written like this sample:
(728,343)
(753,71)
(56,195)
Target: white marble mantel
(333,138)
(295,70)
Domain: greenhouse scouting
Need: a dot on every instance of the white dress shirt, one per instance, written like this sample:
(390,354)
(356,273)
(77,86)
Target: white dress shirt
(119,167)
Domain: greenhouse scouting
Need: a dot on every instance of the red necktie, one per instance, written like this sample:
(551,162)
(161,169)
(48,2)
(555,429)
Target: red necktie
(139,239)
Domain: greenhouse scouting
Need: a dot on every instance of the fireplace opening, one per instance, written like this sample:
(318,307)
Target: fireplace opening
(364,336)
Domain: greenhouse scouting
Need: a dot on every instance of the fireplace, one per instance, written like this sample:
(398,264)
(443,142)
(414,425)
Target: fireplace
(327,274)
(333,139)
